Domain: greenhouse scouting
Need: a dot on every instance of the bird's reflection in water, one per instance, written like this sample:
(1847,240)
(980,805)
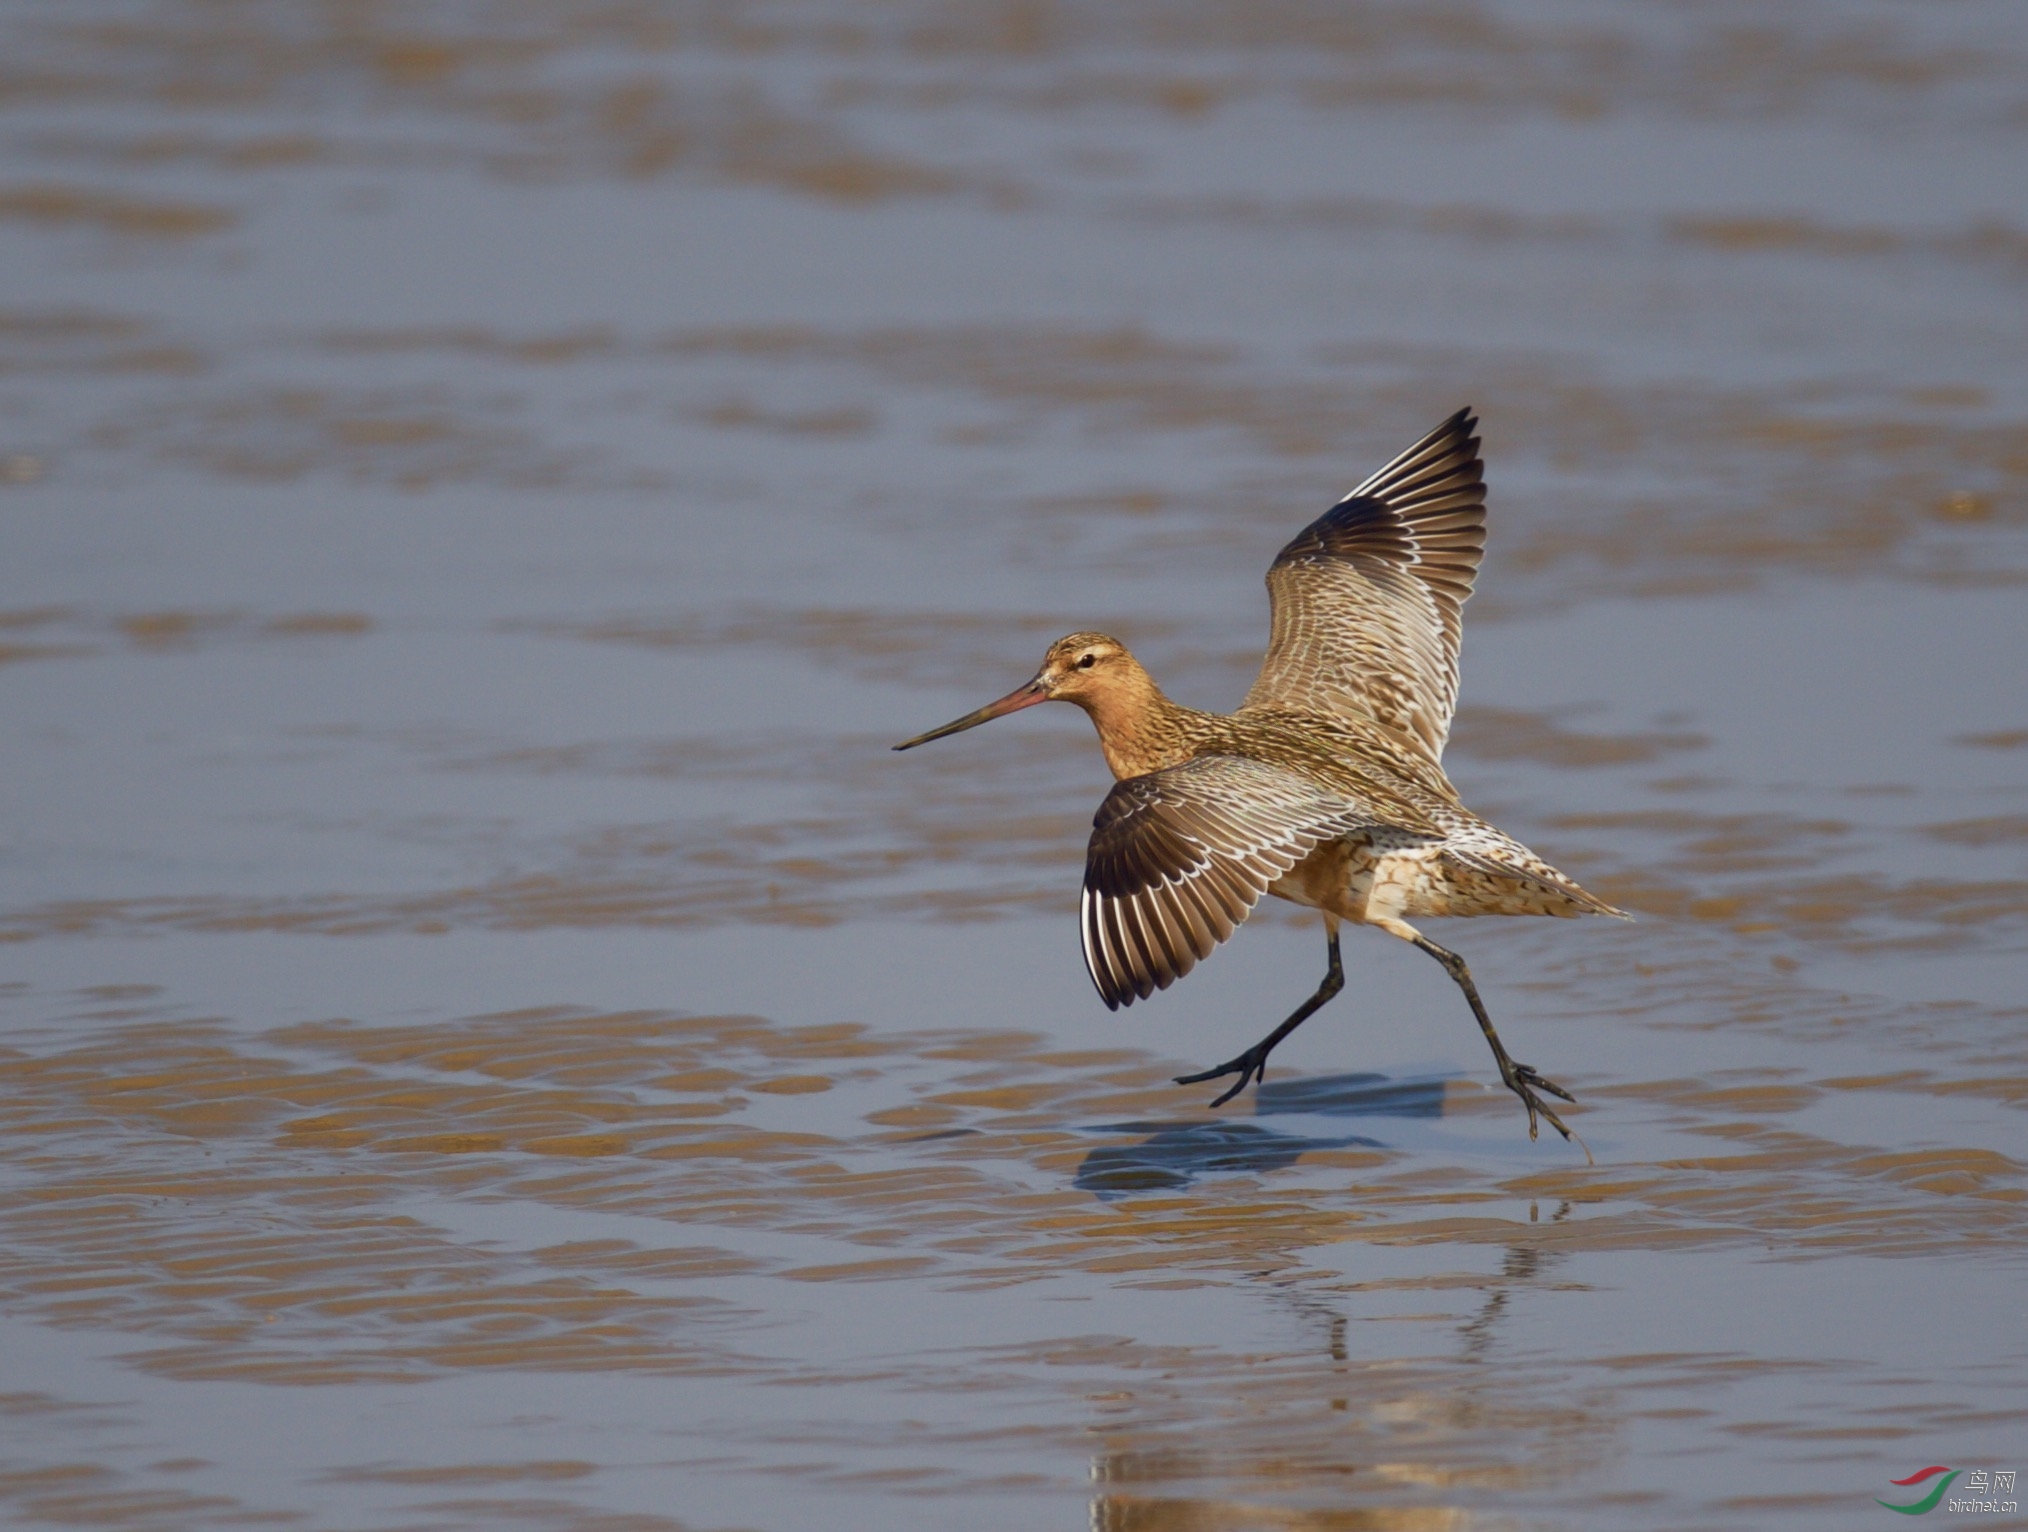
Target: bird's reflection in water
(1154,1486)
(1522,1266)
(1171,1155)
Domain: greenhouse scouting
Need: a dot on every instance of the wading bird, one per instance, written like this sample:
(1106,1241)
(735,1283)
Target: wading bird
(1326,787)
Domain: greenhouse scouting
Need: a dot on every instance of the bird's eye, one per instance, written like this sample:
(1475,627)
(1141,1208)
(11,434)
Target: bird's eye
(1086,661)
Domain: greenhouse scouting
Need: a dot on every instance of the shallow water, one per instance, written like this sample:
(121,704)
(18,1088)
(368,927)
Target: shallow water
(493,1038)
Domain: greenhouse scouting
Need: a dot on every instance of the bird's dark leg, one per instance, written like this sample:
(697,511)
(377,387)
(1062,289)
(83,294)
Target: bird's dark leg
(1252,1064)
(1519,1078)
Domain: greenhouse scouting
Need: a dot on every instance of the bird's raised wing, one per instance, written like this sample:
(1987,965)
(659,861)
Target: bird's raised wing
(1367,600)
(1179,858)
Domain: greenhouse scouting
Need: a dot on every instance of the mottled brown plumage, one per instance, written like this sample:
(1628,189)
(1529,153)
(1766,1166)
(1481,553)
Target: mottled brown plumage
(1326,787)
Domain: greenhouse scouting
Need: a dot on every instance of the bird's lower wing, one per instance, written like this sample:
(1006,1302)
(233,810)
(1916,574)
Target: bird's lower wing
(1178,858)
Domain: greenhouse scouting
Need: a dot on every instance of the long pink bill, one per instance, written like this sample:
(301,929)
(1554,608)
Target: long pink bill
(1013,702)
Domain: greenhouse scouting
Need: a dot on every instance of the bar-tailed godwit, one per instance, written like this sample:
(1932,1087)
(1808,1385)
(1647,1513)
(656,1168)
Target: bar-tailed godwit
(1326,787)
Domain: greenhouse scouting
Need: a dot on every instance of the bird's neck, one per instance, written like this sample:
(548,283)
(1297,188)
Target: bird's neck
(1139,729)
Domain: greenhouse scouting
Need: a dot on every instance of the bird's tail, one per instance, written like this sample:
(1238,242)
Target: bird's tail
(1563,893)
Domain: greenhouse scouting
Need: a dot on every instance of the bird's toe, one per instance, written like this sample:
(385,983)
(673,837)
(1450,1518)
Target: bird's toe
(1249,1066)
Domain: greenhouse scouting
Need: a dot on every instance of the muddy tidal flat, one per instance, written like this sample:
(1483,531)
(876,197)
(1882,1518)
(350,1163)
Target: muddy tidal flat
(490,1036)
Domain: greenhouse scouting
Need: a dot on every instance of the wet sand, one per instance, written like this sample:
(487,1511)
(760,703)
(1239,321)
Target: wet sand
(490,1036)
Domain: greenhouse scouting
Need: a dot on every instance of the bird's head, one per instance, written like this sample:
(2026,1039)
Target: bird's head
(1083,668)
